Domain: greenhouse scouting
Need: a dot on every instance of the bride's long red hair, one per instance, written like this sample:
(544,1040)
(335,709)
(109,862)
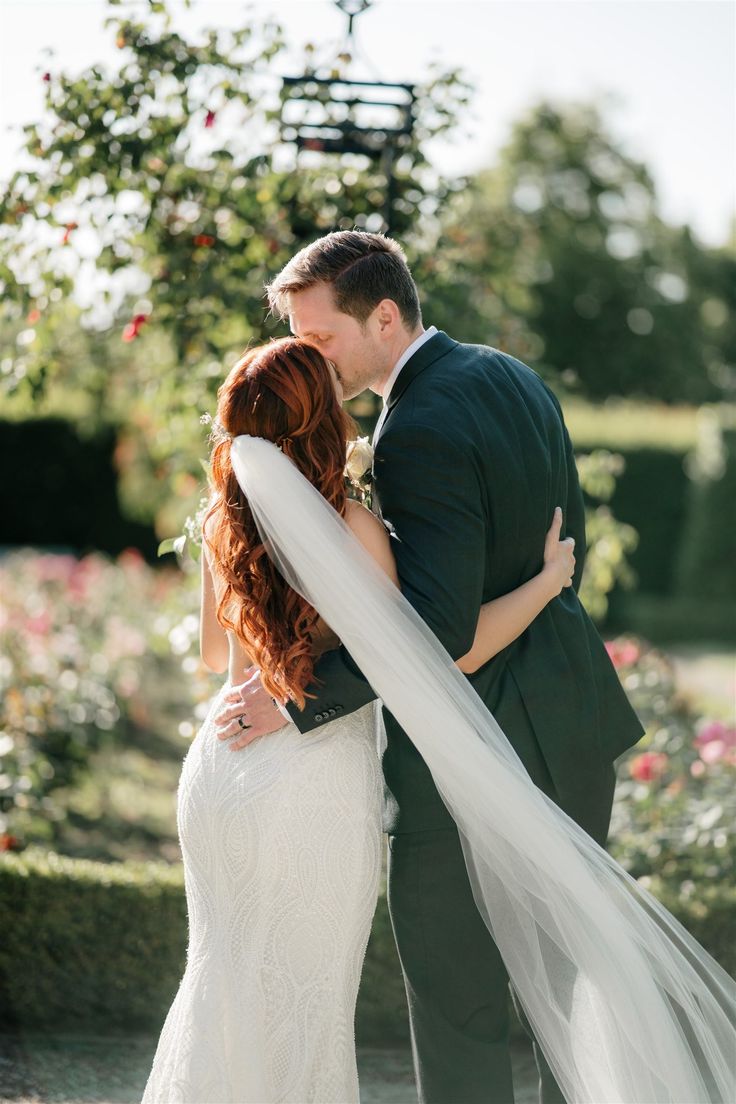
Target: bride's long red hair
(283,391)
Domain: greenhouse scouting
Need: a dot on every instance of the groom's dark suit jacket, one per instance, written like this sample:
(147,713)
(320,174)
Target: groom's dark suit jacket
(472,459)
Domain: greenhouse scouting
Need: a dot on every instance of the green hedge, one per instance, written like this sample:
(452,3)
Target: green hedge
(651,495)
(681,503)
(102,946)
(706,565)
(63,492)
(88,943)
(670,619)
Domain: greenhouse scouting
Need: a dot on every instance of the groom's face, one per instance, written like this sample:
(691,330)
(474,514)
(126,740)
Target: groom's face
(360,358)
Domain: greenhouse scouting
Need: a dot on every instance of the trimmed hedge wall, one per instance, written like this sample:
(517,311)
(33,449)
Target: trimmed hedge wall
(683,506)
(651,495)
(63,493)
(102,946)
(680,502)
(706,565)
(666,619)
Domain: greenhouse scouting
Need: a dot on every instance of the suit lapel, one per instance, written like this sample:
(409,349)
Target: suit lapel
(437,346)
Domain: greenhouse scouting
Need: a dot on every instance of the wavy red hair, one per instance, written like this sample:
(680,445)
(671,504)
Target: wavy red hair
(285,392)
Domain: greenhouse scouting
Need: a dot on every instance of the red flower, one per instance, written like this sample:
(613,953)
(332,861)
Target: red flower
(204,239)
(623,653)
(33,316)
(648,766)
(210,119)
(46,78)
(133,328)
(132,558)
(9,843)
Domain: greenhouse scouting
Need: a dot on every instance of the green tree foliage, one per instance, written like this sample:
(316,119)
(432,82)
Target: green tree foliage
(163,190)
(559,255)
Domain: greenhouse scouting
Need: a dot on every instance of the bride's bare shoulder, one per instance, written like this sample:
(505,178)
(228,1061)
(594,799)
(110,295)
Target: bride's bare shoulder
(372,535)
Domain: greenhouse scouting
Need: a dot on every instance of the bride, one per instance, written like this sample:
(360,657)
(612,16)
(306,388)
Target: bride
(281,845)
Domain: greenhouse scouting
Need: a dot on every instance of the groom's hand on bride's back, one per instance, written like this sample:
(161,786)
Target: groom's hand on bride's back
(257,712)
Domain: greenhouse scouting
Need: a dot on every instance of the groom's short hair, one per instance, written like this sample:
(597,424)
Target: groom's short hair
(362,269)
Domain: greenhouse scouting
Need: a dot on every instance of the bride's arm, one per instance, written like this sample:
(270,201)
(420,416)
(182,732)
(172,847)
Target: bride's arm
(373,536)
(213,643)
(501,620)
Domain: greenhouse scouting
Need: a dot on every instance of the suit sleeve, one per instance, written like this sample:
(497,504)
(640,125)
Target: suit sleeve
(429,491)
(339,689)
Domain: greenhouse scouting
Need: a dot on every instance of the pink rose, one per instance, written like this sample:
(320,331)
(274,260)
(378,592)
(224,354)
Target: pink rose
(713,751)
(716,742)
(623,653)
(40,624)
(715,730)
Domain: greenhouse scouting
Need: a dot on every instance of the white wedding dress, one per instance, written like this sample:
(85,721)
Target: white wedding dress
(281,843)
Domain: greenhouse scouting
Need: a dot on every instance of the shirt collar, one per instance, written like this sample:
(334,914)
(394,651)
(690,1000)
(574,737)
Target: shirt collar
(406,355)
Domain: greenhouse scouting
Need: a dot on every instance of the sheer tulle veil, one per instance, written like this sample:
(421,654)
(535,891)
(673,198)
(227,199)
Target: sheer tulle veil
(627,1006)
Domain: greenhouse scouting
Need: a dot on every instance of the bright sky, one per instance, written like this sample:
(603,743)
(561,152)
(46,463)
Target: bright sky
(667,69)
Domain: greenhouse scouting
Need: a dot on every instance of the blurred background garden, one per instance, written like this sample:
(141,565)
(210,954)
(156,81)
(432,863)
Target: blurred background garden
(146,203)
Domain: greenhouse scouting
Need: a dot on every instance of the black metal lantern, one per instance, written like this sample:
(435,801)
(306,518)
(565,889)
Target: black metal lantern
(339,115)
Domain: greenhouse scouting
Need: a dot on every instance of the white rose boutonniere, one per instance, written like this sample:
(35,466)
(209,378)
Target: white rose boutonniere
(358,464)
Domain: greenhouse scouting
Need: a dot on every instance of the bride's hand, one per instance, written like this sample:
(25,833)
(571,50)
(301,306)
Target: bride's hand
(559,556)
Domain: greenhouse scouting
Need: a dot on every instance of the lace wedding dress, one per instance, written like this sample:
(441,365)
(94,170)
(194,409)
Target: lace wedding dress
(281,843)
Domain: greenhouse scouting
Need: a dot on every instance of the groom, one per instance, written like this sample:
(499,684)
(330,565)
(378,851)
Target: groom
(471,458)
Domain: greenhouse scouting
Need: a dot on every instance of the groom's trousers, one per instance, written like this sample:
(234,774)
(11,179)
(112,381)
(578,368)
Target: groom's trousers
(456,981)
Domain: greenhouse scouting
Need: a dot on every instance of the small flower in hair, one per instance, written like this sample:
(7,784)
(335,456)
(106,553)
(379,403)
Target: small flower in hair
(218,432)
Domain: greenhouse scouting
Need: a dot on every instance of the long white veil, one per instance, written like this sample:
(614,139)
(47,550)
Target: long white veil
(627,1006)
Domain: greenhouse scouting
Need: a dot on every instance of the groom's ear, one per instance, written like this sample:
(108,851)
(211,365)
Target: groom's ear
(388,317)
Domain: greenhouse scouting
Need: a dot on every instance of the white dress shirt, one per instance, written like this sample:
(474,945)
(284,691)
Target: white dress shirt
(407,353)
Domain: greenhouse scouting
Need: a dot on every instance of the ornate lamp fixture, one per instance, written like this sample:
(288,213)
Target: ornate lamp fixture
(335,114)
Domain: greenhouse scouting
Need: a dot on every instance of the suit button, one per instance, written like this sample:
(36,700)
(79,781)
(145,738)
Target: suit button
(318,717)
(332,712)
(338,708)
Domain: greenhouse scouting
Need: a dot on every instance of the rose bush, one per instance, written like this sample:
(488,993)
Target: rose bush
(675,804)
(85,642)
(96,650)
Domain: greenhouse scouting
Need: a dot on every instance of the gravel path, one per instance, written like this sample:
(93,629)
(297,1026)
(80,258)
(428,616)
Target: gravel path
(75,1069)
